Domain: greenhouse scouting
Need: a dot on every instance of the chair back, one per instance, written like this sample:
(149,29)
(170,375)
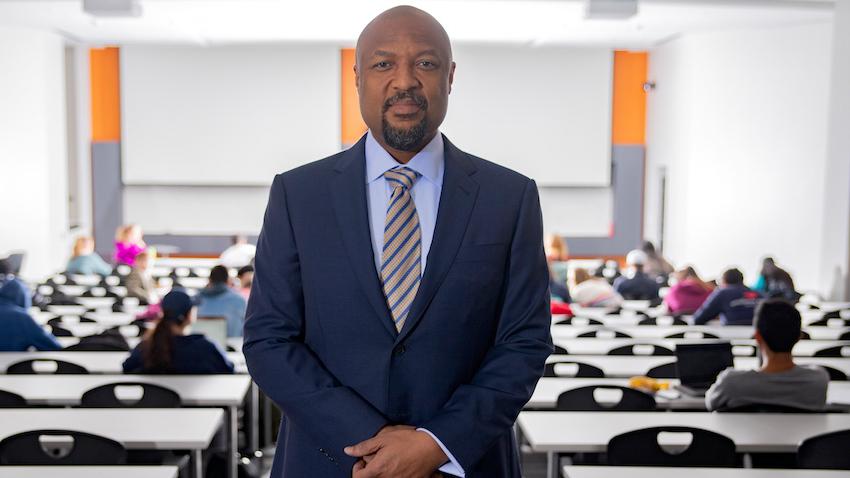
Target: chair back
(642,448)
(45,366)
(60,447)
(151,396)
(576,369)
(641,349)
(584,399)
(827,451)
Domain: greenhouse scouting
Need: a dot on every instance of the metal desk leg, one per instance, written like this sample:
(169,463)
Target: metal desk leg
(254,441)
(267,420)
(197,464)
(232,441)
(551,465)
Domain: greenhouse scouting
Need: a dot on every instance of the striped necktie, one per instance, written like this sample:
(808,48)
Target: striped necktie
(401,255)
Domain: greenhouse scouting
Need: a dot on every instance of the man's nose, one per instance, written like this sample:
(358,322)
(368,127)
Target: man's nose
(406,79)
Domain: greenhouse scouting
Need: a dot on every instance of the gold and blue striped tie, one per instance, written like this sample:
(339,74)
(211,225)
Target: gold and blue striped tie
(401,255)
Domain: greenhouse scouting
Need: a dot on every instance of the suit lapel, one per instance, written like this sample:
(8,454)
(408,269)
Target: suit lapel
(456,202)
(348,193)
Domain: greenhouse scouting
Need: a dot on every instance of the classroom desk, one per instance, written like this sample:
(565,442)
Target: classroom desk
(631,365)
(101,319)
(728,332)
(548,389)
(631,318)
(740,347)
(88,471)
(234,342)
(589,432)
(679,472)
(137,429)
(85,329)
(226,391)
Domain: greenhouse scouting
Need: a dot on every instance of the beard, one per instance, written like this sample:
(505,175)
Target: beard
(404,139)
(409,139)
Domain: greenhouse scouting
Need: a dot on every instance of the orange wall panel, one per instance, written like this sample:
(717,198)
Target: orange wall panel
(629,110)
(105,94)
(353,126)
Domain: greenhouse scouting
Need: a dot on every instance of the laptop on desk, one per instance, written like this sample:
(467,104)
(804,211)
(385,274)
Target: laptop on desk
(698,365)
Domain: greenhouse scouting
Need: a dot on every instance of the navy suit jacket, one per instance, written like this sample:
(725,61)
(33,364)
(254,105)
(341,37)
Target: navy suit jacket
(320,341)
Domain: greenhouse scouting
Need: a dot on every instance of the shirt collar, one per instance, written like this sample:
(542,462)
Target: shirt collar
(429,162)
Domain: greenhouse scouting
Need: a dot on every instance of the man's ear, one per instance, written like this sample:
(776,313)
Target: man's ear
(357,78)
(758,338)
(452,76)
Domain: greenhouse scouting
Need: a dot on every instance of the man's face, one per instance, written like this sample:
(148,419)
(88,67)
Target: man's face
(404,74)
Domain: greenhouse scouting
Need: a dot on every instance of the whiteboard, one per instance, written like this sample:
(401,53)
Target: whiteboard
(542,111)
(226,115)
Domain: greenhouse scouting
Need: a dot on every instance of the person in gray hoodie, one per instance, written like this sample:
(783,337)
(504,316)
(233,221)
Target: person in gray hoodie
(219,300)
(18,330)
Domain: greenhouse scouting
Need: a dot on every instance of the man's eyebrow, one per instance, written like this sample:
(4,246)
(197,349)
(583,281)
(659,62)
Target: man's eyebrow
(430,51)
(382,53)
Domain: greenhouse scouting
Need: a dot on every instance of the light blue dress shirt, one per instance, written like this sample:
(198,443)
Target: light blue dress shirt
(430,164)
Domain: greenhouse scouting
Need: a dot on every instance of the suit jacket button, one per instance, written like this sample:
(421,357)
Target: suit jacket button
(400,350)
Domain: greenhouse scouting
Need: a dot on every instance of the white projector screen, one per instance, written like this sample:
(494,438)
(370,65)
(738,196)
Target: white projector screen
(226,115)
(542,111)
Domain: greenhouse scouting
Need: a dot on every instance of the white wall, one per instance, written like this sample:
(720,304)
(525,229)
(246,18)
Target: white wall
(835,249)
(739,120)
(33,155)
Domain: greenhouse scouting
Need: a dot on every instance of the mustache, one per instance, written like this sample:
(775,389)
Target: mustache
(406,95)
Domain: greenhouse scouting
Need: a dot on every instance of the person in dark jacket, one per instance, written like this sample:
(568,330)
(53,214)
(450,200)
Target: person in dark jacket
(733,302)
(776,282)
(638,286)
(18,330)
(218,299)
(169,350)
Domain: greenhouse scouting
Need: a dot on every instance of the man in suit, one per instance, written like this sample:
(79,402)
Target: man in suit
(399,314)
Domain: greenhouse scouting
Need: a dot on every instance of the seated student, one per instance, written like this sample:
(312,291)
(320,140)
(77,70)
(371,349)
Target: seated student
(779,381)
(656,265)
(588,291)
(733,302)
(245,275)
(129,243)
(638,285)
(140,283)
(18,330)
(687,294)
(85,261)
(774,281)
(167,349)
(219,300)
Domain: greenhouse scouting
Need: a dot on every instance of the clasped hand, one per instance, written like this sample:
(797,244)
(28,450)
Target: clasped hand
(397,451)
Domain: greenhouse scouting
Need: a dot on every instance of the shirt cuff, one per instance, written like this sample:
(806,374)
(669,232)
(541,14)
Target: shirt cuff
(452,467)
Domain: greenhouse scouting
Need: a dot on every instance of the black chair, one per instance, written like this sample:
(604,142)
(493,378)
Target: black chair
(835,375)
(844,336)
(696,334)
(11,400)
(582,400)
(579,321)
(629,350)
(583,371)
(829,322)
(603,333)
(654,321)
(153,396)
(27,448)
(667,370)
(560,350)
(60,331)
(827,451)
(831,352)
(26,367)
(641,448)
(805,336)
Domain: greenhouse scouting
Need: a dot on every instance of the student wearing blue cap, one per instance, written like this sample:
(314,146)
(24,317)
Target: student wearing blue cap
(168,349)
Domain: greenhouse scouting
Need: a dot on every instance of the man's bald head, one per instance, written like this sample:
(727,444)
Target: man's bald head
(403,19)
(404,73)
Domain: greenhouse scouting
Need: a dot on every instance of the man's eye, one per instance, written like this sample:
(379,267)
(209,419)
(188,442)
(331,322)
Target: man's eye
(382,65)
(427,64)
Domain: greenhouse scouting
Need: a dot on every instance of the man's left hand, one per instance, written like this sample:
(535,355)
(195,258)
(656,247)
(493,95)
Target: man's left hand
(397,451)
